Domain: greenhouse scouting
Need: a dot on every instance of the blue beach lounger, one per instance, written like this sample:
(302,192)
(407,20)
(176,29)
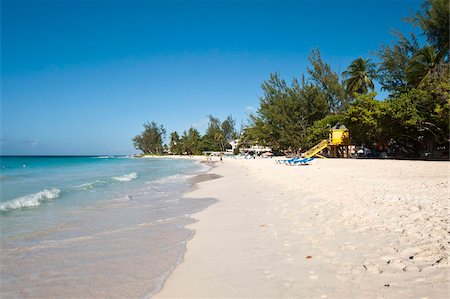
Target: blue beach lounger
(304,161)
(286,161)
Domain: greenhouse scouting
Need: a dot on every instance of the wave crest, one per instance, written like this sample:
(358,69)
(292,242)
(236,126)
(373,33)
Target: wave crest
(126,177)
(171,178)
(30,200)
(91,185)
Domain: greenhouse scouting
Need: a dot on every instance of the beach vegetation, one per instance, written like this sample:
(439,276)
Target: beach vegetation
(328,82)
(219,134)
(151,139)
(394,61)
(412,118)
(426,65)
(365,118)
(433,19)
(191,142)
(175,145)
(285,113)
(360,75)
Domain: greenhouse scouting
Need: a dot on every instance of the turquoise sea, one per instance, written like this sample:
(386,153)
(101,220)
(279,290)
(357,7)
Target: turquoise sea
(93,227)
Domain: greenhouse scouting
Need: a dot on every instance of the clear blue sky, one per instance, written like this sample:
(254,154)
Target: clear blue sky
(81,77)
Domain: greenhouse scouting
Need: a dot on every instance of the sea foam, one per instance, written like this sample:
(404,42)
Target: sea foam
(30,200)
(172,178)
(91,185)
(126,177)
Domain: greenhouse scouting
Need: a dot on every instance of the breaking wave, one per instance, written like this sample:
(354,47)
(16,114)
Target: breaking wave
(126,177)
(172,178)
(91,185)
(30,200)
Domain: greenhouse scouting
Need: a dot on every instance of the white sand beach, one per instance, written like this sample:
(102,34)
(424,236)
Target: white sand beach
(339,228)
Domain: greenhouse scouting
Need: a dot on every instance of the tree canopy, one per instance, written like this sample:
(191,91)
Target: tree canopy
(150,141)
(219,134)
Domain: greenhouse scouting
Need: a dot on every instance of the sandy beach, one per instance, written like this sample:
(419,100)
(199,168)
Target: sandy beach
(338,228)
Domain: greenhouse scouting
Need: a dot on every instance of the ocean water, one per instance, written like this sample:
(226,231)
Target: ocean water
(93,227)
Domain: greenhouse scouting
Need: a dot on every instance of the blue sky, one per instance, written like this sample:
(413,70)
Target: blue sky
(81,77)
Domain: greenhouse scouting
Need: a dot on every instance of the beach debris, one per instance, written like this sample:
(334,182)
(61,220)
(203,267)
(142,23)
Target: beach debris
(411,268)
(438,261)
(372,268)
(308,257)
(397,264)
(387,285)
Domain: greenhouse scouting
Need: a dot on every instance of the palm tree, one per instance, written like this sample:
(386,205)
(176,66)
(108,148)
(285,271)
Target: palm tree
(359,76)
(425,64)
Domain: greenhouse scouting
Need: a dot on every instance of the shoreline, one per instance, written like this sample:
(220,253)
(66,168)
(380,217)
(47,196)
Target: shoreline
(256,240)
(201,176)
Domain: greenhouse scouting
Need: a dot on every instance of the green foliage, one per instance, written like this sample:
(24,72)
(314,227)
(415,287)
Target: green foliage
(418,114)
(150,141)
(191,142)
(312,102)
(433,19)
(394,63)
(405,64)
(359,75)
(413,115)
(328,82)
(175,144)
(285,113)
(219,134)
(426,64)
(364,119)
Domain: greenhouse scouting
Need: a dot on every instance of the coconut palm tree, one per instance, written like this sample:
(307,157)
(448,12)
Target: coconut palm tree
(425,64)
(359,76)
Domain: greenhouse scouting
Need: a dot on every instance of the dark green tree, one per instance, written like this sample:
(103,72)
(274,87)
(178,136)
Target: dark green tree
(394,63)
(433,19)
(418,115)
(285,113)
(328,81)
(191,142)
(219,134)
(175,143)
(365,120)
(150,141)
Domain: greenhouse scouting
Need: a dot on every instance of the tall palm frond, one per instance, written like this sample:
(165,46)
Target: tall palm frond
(425,64)
(359,75)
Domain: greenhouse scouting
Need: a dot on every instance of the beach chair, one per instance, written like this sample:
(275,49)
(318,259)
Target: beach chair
(285,161)
(304,161)
(295,161)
